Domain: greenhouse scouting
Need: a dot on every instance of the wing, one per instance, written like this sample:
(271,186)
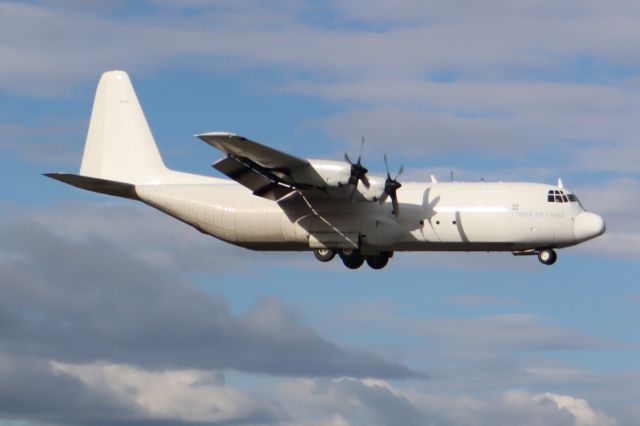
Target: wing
(266,171)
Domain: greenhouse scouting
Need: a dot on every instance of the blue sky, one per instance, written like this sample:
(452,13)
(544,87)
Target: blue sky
(150,321)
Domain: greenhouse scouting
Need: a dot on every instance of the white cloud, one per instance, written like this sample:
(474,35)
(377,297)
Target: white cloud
(381,403)
(497,39)
(525,77)
(580,409)
(183,395)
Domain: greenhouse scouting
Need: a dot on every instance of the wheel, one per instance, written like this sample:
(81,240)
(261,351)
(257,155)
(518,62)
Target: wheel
(324,254)
(547,256)
(352,259)
(378,261)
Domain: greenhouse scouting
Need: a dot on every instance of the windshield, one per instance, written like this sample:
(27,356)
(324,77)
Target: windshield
(561,196)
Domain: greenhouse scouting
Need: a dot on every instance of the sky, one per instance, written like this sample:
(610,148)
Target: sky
(112,313)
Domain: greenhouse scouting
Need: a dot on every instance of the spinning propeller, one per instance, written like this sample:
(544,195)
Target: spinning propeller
(391,186)
(358,171)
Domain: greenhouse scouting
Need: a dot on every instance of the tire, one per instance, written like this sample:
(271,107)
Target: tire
(352,259)
(547,256)
(377,262)
(324,254)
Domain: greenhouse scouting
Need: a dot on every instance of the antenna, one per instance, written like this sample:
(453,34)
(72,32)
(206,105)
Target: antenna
(451,176)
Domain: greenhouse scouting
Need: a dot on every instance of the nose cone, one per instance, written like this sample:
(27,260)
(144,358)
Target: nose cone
(588,225)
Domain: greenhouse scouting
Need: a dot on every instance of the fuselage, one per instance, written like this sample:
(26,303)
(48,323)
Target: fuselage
(457,216)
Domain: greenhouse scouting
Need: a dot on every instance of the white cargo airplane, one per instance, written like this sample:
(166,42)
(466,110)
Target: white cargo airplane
(282,202)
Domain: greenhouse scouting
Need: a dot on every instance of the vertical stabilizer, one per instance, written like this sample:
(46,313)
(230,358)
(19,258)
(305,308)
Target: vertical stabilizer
(120,146)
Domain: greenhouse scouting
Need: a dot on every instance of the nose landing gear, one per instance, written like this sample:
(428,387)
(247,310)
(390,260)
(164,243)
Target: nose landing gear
(547,256)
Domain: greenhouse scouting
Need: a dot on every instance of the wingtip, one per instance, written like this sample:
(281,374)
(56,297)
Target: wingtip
(205,134)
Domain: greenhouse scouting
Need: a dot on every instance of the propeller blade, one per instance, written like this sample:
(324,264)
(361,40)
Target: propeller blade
(346,157)
(358,172)
(352,197)
(396,205)
(391,186)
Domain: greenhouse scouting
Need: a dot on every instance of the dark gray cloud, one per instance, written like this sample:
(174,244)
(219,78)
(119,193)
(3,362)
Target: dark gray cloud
(29,388)
(88,301)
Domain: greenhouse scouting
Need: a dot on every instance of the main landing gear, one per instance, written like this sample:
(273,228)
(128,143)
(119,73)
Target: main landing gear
(324,254)
(353,259)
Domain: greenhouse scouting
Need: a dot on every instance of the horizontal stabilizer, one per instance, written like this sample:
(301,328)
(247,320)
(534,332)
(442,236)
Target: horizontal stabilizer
(103,186)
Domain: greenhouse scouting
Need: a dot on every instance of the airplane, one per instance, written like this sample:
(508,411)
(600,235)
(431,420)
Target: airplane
(279,202)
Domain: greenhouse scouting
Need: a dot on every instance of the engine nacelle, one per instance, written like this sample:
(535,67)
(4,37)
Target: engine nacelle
(336,175)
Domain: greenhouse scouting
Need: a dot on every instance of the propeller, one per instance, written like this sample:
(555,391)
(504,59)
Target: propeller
(358,171)
(391,186)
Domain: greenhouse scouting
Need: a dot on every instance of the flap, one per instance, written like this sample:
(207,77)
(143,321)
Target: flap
(263,184)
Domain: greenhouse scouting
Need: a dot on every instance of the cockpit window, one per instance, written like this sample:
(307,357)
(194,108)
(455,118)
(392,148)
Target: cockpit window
(557,196)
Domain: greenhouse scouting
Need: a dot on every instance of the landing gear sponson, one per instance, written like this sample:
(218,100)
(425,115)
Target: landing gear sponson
(353,259)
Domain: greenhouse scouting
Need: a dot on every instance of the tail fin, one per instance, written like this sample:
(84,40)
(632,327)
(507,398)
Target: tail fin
(120,146)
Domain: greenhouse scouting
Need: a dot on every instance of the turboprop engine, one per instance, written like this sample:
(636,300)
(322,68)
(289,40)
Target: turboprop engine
(337,175)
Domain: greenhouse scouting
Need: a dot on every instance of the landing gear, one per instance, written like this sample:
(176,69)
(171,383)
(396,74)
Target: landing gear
(547,256)
(352,259)
(324,254)
(378,261)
